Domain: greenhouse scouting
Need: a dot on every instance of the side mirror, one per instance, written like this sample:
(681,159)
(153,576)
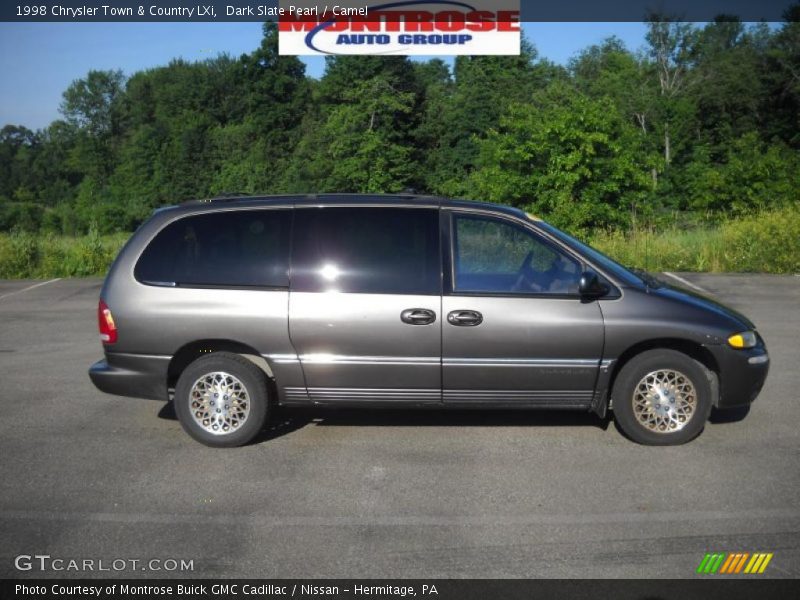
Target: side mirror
(590,285)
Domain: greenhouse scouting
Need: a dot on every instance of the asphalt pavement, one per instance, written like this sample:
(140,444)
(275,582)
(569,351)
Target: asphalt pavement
(88,476)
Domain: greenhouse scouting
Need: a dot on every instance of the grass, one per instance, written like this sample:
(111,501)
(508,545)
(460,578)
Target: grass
(24,256)
(768,242)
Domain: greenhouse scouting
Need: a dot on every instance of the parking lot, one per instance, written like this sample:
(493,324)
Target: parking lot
(354,494)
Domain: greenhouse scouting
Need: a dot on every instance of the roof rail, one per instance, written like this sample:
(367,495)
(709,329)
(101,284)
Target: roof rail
(221,197)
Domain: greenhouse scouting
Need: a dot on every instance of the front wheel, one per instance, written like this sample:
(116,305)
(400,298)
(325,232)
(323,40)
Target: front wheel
(662,398)
(221,400)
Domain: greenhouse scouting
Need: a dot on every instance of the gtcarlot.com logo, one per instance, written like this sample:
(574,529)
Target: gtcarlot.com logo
(45,562)
(734,563)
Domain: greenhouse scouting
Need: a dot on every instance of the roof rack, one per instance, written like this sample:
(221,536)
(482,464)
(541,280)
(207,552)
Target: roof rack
(239,196)
(221,197)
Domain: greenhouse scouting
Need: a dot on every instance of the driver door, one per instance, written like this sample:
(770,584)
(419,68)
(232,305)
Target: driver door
(515,331)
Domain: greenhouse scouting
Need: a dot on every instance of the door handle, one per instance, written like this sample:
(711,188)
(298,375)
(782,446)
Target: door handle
(418,316)
(465,318)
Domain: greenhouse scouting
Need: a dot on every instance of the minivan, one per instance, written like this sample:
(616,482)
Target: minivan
(232,307)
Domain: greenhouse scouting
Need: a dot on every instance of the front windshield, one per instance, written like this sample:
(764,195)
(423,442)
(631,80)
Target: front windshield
(623,274)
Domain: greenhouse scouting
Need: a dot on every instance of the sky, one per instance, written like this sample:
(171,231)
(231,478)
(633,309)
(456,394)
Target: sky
(39,60)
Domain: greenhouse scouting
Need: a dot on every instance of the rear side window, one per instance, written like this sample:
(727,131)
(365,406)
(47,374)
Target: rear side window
(234,248)
(367,250)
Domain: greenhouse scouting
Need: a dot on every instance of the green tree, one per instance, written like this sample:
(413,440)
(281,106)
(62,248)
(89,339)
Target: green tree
(781,77)
(706,120)
(364,152)
(609,70)
(359,134)
(727,66)
(569,157)
(484,87)
(671,48)
(750,176)
(91,105)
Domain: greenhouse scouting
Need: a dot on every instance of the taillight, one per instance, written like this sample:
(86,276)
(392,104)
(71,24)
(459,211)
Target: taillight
(108,330)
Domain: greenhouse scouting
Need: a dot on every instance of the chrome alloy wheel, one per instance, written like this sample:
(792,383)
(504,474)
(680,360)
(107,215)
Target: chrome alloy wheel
(219,403)
(664,401)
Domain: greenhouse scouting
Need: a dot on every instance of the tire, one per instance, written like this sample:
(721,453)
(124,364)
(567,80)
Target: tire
(678,413)
(240,405)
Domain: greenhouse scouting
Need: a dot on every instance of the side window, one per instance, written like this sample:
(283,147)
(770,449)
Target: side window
(366,250)
(496,256)
(231,248)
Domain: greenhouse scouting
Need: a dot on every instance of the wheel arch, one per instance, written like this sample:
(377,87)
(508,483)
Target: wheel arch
(190,352)
(690,348)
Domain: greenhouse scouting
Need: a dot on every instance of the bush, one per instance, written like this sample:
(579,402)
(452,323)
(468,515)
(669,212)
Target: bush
(20,216)
(19,255)
(766,242)
(23,255)
(769,242)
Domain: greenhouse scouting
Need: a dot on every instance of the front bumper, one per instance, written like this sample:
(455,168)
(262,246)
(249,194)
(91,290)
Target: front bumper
(742,374)
(134,375)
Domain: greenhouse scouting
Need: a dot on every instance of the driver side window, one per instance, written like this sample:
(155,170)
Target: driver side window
(496,256)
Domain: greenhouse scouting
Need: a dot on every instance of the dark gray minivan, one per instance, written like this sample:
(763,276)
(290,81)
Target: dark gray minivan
(233,306)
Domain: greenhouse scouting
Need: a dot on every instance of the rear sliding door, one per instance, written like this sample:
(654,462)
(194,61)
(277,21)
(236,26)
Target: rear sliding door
(365,304)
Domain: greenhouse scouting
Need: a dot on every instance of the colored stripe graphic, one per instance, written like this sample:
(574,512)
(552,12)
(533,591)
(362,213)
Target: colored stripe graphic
(730,563)
(757,558)
(718,563)
(742,561)
(711,562)
(758,563)
(765,563)
(735,562)
(703,563)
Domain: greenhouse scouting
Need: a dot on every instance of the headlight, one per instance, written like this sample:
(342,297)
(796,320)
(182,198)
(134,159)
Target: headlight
(745,339)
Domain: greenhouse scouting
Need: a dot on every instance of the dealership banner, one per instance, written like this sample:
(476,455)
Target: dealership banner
(404,27)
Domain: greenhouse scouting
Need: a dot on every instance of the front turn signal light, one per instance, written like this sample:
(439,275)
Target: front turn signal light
(745,339)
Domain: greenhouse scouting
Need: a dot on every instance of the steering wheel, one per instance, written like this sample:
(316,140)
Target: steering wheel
(555,279)
(527,277)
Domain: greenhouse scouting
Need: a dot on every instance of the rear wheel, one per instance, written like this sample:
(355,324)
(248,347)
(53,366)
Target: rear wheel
(662,398)
(222,400)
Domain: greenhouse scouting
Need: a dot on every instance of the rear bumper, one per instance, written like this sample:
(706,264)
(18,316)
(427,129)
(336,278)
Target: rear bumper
(742,374)
(134,375)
